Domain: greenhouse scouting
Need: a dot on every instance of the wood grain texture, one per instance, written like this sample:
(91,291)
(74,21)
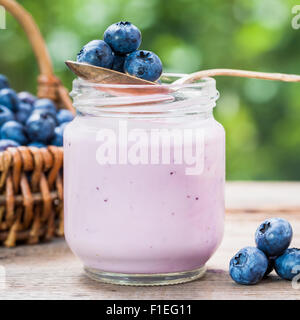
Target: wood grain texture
(51,271)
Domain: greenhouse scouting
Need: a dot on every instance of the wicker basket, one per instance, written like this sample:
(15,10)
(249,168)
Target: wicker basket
(31,181)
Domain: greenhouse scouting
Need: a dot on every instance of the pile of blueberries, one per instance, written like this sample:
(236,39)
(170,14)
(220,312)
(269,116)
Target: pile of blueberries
(272,237)
(119,52)
(28,121)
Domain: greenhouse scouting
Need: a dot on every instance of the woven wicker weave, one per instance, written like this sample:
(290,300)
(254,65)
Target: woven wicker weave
(31,182)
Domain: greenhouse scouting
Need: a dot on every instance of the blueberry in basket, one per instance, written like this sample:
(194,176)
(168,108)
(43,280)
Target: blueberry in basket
(26,120)
(5,115)
(57,139)
(13,130)
(6,143)
(3,82)
(119,52)
(9,99)
(23,113)
(46,106)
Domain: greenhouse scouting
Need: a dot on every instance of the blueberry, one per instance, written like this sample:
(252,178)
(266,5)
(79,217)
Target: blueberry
(248,266)
(9,99)
(27,97)
(97,53)
(273,236)
(58,135)
(40,127)
(118,63)
(287,266)
(37,145)
(271,263)
(24,111)
(3,82)
(123,37)
(13,130)
(143,64)
(45,104)
(5,115)
(64,116)
(6,143)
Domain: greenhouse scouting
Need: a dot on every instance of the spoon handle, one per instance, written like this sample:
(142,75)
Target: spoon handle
(237,73)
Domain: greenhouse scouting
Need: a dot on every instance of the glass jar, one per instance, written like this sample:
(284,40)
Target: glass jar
(144,173)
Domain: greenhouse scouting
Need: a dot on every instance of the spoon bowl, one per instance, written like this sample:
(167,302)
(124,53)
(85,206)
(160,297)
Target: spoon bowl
(111,77)
(103,75)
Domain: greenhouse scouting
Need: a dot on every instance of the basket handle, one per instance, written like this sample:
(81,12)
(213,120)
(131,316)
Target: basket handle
(49,86)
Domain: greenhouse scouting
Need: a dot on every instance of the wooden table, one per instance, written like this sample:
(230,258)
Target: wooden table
(51,271)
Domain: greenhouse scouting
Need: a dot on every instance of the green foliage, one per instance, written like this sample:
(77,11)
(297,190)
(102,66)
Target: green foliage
(261,118)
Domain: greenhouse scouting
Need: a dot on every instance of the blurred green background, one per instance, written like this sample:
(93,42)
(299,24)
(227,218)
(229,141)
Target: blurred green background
(261,118)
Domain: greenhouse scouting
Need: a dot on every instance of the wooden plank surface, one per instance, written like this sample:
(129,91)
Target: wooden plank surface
(51,271)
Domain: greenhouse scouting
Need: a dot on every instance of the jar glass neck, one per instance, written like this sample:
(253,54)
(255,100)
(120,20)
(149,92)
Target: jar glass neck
(163,100)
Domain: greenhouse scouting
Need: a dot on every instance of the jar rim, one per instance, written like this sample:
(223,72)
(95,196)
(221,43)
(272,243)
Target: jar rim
(166,99)
(203,82)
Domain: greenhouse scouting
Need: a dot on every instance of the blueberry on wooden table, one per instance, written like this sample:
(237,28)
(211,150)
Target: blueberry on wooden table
(287,266)
(248,266)
(143,64)
(271,263)
(273,236)
(123,37)
(97,53)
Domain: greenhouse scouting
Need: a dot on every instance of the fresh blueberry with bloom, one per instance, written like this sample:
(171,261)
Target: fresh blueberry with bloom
(37,145)
(118,63)
(3,82)
(40,127)
(287,266)
(273,236)
(248,266)
(58,137)
(27,97)
(97,53)
(24,111)
(5,115)
(123,37)
(13,130)
(143,64)
(9,99)
(5,143)
(45,104)
(64,116)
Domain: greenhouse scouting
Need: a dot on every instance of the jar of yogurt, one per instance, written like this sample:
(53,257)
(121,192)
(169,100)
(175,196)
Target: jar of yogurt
(144,173)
